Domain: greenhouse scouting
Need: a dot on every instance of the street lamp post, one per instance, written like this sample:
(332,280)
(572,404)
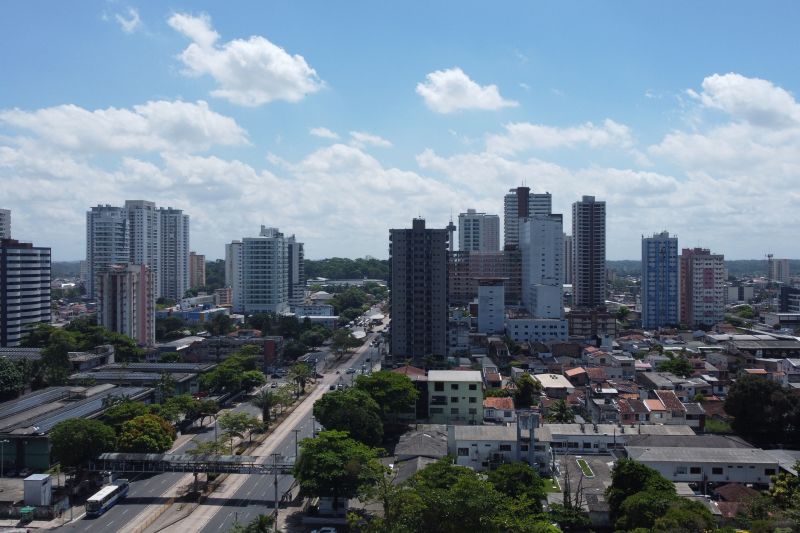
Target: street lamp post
(3,457)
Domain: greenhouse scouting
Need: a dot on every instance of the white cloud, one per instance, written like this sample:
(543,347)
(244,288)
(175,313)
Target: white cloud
(323,133)
(756,101)
(154,126)
(361,139)
(451,90)
(131,23)
(249,72)
(521,136)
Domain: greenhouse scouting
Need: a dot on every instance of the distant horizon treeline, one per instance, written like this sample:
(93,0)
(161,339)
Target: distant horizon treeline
(345,268)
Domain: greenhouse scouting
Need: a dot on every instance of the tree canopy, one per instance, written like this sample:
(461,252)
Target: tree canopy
(393,393)
(445,498)
(353,411)
(337,466)
(146,434)
(76,441)
(680,366)
(10,379)
(765,413)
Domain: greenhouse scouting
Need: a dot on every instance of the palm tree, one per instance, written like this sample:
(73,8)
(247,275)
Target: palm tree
(300,373)
(265,400)
(560,412)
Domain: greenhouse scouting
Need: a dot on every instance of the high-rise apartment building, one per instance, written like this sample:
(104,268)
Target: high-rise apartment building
(24,290)
(174,253)
(144,230)
(660,280)
(778,269)
(5,223)
(418,258)
(465,269)
(478,232)
(234,274)
(197,270)
(491,305)
(541,243)
(140,234)
(702,290)
(265,272)
(569,263)
(589,253)
(107,242)
(296,270)
(126,302)
(522,203)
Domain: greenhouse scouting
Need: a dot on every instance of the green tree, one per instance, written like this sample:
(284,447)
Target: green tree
(220,324)
(353,411)
(55,357)
(764,412)
(560,412)
(10,379)
(299,373)
(342,341)
(262,322)
(265,400)
(146,434)
(526,390)
(238,424)
(684,515)
(77,441)
(312,338)
(394,393)
(294,349)
(520,481)
(209,447)
(336,466)
(252,379)
(125,410)
(622,313)
(680,366)
(260,524)
(629,478)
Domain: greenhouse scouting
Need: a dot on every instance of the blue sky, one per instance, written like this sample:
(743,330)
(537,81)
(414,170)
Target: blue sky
(338,120)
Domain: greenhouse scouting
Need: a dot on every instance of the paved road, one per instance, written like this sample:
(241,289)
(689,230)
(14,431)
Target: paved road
(256,495)
(145,490)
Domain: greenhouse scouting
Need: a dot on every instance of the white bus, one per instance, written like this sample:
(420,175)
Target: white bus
(106,497)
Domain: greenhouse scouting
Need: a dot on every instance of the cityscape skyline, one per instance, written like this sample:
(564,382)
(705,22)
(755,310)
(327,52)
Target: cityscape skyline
(298,138)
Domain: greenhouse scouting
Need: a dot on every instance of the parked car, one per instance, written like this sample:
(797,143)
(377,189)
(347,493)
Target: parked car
(351,371)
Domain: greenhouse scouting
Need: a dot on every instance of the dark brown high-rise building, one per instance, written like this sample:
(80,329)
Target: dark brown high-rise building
(418,258)
(589,253)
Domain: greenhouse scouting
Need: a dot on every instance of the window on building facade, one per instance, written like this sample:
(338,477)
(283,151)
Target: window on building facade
(463,452)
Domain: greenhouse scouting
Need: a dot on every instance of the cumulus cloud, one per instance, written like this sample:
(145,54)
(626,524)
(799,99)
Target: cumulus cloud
(451,90)
(249,72)
(521,136)
(361,139)
(153,126)
(323,133)
(760,138)
(130,21)
(756,101)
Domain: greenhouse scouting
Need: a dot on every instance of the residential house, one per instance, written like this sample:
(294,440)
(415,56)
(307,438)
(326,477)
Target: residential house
(499,409)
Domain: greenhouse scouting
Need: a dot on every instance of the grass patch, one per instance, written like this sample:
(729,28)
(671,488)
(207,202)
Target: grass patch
(551,485)
(587,471)
(717,426)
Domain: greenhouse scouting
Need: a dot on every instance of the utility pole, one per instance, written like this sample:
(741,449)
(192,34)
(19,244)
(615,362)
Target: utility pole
(275,465)
(296,431)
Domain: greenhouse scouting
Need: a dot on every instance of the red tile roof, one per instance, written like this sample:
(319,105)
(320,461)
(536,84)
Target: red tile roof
(670,400)
(498,403)
(574,371)
(596,374)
